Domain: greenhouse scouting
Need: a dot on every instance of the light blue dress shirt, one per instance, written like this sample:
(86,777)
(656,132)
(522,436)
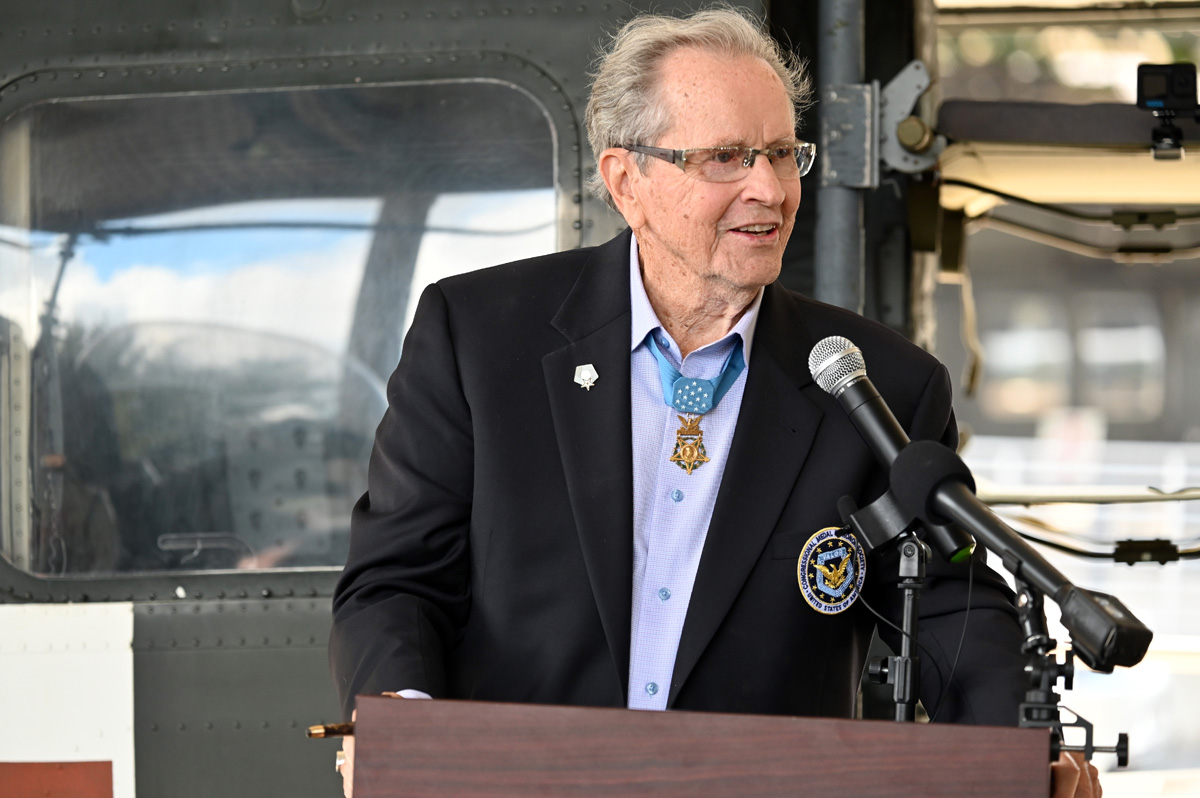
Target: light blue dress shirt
(671,508)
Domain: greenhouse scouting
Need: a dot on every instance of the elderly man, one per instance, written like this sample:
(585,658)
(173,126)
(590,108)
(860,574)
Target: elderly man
(599,468)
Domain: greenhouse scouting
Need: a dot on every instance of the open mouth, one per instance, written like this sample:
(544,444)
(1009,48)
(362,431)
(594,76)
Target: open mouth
(757,230)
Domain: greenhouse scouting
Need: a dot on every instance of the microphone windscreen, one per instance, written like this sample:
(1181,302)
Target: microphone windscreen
(834,362)
(918,471)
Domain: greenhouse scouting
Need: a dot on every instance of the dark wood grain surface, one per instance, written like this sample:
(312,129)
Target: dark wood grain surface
(461,748)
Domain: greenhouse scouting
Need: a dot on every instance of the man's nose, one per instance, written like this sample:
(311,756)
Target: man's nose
(762,183)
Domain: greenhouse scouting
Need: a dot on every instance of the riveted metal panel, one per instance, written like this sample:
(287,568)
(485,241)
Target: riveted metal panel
(848,136)
(222,694)
(14,435)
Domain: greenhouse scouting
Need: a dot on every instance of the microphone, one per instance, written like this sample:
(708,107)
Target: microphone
(837,366)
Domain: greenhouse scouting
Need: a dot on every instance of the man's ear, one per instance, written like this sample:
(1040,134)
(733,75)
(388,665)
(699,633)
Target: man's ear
(620,172)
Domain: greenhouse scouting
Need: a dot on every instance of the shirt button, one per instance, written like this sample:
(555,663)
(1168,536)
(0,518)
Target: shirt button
(651,688)
(664,594)
(677,495)
(664,343)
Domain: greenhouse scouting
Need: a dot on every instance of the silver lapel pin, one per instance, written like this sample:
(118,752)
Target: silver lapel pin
(586,375)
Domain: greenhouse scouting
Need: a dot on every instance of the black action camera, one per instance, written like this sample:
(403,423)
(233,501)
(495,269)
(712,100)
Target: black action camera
(1167,87)
(1167,90)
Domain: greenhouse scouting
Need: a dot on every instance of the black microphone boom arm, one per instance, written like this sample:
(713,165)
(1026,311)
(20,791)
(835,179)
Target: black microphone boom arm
(932,482)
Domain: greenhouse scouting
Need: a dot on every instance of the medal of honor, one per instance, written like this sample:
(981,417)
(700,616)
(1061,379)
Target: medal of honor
(689,444)
(831,570)
(694,397)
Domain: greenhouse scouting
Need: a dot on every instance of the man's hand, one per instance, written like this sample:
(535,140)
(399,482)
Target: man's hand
(1074,777)
(346,761)
(346,768)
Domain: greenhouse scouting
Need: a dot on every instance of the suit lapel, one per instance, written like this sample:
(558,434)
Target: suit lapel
(776,426)
(594,432)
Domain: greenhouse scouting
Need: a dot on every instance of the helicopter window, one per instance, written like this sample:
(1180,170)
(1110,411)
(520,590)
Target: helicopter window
(1121,354)
(202,297)
(1029,357)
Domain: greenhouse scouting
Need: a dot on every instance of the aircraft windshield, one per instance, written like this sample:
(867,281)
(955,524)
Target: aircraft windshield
(195,356)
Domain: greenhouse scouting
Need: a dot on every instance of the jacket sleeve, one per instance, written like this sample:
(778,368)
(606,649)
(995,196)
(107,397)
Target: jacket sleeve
(985,683)
(405,591)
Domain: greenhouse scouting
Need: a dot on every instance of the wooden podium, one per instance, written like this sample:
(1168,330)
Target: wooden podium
(466,748)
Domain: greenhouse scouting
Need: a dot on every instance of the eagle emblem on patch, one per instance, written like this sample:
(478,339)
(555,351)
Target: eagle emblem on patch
(831,570)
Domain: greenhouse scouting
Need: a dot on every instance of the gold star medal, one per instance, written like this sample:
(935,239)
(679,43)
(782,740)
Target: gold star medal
(689,444)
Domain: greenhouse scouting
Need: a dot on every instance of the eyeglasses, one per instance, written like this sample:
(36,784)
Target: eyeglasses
(727,164)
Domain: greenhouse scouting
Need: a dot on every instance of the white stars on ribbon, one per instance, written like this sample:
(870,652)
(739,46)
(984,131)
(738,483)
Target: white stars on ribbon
(692,395)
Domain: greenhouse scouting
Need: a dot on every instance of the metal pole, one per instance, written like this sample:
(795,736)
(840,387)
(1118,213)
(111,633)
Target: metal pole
(839,242)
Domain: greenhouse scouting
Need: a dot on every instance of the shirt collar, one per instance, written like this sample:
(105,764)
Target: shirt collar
(645,320)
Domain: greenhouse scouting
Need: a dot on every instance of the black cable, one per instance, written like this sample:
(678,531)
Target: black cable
(944,684)
(1127,551)
(1064,547)
(962,636)
(920,645)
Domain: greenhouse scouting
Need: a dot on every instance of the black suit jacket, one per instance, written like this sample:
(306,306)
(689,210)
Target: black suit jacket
(491,557)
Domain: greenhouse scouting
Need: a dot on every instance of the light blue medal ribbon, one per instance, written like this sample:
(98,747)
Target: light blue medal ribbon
(691,394)
(695,397)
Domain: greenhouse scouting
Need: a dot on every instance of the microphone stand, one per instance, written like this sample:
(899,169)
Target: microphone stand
(874,526)
(903,672)
(1041,708)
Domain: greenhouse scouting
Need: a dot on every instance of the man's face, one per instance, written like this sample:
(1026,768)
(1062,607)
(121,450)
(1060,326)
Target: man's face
(715,231)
